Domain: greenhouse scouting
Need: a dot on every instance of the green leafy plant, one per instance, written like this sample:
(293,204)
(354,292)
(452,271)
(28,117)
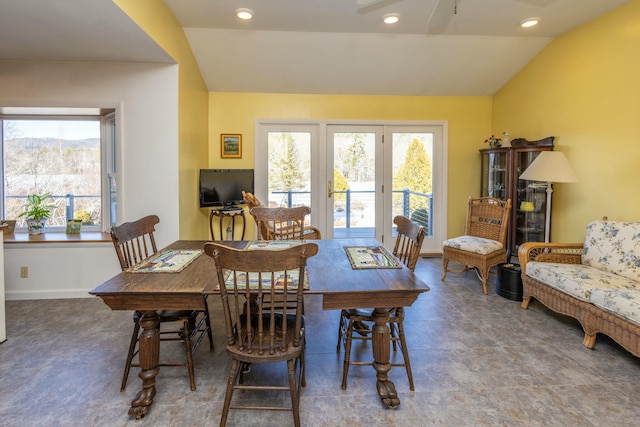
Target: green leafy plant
(35,207)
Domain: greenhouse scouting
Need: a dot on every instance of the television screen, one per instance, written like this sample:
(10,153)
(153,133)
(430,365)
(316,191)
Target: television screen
(224,187)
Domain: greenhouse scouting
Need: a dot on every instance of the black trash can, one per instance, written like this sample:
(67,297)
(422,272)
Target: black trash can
(509,281)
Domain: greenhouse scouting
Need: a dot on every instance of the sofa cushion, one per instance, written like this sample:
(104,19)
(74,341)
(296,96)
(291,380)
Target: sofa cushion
(613,246)
(623,303)
(477,245)
(577,280)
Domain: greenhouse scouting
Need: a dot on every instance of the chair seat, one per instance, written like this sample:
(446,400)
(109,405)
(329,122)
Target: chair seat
(476,245)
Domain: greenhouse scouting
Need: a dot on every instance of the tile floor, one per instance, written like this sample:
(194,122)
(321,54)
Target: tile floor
(478,360)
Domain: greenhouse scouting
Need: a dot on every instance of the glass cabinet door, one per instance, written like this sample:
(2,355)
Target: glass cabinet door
(530,204)
(494,174)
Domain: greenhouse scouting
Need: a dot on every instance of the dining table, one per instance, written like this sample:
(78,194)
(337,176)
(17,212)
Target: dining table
(332,273)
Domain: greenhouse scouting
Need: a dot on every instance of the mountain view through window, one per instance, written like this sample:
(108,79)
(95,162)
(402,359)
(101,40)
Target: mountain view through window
(58,157)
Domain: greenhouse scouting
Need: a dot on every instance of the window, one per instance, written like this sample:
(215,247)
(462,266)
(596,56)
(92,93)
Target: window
(68,154)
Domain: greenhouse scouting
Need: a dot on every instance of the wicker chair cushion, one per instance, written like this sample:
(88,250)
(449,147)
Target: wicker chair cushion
(613,246)
(476,245)
(620,302)
(577,280)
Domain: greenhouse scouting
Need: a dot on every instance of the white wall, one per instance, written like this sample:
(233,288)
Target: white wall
(145,97)
(57,270)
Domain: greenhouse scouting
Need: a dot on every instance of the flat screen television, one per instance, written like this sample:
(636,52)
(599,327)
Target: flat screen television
(224,187)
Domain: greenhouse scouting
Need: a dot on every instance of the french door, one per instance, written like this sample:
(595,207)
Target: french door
(356,178)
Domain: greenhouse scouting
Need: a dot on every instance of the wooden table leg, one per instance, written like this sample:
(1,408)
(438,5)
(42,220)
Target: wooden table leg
(149,354)
(381,343)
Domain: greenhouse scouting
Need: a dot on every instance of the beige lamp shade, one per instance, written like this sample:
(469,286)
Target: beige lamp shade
(550,166)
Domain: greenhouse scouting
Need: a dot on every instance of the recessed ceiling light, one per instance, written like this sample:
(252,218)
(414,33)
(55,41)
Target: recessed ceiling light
(529,22)
(391,18)
(244,13)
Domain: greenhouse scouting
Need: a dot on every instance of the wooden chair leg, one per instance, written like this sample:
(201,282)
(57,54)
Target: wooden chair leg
(208,323)
(303,379)
(394,334)
(340,328)
(347,354)
(589,340)
(484,276)
(188,351)
(231,381)
(293,390)
(445,265)
(132,348)
(405,355)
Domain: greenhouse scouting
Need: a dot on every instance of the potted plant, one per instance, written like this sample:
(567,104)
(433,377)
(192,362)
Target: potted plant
(36,212)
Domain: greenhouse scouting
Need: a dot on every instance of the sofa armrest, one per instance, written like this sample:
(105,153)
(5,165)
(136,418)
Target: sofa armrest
(566,253)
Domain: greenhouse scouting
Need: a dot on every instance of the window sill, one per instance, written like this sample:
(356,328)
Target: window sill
(51,237)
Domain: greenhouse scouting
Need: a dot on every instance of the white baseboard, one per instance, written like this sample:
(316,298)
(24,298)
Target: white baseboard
(48,294)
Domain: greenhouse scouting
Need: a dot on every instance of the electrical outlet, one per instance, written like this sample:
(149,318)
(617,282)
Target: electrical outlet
(24,272)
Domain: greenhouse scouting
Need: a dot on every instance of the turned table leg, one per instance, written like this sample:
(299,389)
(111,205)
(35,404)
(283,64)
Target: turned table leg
(148,353)
(381,344)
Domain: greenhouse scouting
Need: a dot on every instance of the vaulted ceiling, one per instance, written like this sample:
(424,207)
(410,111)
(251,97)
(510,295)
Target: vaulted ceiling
(438,47)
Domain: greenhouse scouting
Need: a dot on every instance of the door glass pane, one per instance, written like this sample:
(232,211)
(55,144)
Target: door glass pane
(354,212)
(413,178)
(289,169)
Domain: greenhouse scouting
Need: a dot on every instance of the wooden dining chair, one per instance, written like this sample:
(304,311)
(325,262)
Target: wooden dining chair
(484,242)
(309,232)
(264,333)
(406,249)
(134,242)
(282,224)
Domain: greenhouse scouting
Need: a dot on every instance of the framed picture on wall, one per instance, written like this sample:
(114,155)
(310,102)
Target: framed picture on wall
(231,146)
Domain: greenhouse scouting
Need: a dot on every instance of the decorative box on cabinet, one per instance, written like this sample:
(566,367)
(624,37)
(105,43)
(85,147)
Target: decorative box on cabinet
(501,167)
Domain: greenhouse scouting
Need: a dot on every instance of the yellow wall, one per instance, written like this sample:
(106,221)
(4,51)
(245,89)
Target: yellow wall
(584,89)
(157,21)
(469,120)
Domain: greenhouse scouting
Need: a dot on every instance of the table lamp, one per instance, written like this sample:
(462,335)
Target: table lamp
(549,167)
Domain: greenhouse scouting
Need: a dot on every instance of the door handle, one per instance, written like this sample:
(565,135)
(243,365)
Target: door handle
(329,189)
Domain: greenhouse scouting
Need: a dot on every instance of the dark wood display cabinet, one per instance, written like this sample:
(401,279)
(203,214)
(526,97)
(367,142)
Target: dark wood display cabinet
(501,167)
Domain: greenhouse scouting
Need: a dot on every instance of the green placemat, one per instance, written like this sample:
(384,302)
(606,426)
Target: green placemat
(362,257)
(167,261)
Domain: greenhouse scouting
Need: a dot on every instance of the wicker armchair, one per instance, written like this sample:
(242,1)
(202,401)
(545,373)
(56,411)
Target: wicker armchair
(484,242)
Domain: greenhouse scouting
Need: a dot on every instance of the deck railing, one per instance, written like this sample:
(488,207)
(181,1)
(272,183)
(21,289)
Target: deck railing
(68,201)
(422,215)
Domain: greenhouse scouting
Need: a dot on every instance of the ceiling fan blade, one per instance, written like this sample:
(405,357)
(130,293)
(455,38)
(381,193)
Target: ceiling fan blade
(440,16)
(375,5)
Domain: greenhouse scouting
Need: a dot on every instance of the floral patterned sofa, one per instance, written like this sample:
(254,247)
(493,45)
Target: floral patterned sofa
(597,283)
